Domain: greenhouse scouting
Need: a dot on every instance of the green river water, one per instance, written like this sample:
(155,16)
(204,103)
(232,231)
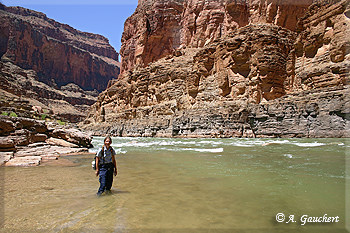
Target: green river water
(185,185)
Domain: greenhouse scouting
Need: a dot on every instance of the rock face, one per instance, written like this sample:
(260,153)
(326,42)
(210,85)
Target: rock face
(58,53)
(22,94)
(158,27)
(26,142)
(258,80)
(51,66)
(322,47)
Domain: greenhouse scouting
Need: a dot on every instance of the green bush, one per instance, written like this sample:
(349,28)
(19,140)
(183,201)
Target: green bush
(61,122)
(4,113)
(43,116)
(13,114)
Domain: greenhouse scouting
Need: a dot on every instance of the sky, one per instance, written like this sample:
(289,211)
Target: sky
(104,17)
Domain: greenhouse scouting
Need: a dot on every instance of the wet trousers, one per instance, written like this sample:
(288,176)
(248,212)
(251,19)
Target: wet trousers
(105,177)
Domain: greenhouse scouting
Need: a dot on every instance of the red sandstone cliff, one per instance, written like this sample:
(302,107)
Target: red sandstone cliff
(58,53)
(158,27)
(50,66)
(262,78)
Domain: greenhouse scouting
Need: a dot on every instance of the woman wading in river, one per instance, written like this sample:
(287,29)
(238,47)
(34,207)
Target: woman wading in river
(106,166)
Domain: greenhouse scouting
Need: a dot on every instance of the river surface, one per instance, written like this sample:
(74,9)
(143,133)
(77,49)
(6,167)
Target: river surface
(184,185)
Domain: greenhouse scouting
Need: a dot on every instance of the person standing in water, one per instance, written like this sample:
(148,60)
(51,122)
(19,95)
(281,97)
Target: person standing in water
(106,166)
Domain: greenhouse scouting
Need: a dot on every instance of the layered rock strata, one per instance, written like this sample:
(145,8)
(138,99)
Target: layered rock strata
(322,47)
(261,80)
(58,53)
(320,114)
(28,142)
(158,27)
(23,95)
(51,66)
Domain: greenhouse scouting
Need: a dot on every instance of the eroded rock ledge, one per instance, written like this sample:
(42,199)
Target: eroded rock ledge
(28,142)
(325,113)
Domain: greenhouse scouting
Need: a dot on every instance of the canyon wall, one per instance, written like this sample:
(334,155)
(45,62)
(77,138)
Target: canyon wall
(322,47)
(261,79)
(158,27)
(58,53)
(21,94)
(50,66)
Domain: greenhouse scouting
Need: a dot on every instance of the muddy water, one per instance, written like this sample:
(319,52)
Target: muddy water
(184,185)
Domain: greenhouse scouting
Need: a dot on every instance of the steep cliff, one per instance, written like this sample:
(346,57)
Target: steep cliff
(50,66)
(58,53)
(322,47)
(262,78)
(158,27)
(23,95)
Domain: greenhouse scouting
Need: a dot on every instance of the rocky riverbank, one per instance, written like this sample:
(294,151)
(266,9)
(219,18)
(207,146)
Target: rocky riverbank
(29,142)
(315,114)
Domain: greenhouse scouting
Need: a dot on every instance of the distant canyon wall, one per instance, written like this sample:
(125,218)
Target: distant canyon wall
(263,78)
(51,66)
(58,53)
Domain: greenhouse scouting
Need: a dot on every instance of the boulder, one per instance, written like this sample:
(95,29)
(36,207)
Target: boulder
(6,126)
(38,109)
(56,151)
(46,151)
(7,144)
(21,132)
(4,157)
(60,142)
(32,125)
(36,149)
(73,136)
(24,161)
(19,140)
(38,138)
(26,123)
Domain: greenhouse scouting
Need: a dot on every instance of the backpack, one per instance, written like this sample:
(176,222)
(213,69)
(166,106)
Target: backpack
(93,163)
